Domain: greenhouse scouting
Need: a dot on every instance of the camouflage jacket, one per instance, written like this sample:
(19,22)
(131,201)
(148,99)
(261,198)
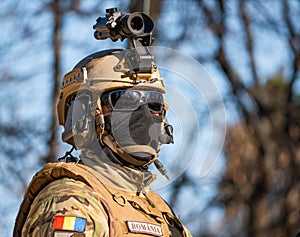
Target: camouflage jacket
(66,199)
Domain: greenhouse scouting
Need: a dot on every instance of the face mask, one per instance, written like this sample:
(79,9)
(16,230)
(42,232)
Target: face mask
(136,131)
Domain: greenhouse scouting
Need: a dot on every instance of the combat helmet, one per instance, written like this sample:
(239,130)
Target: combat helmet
(79,107)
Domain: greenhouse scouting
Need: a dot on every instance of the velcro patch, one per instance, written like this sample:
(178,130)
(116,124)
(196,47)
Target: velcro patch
(144,228)
(70,223)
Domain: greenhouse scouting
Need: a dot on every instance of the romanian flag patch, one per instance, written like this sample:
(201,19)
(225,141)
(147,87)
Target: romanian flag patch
(70,223)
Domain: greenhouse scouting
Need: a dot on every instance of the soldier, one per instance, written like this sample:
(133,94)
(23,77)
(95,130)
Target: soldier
(112,108)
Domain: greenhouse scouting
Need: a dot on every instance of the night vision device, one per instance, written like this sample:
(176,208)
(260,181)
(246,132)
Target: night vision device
(137,27)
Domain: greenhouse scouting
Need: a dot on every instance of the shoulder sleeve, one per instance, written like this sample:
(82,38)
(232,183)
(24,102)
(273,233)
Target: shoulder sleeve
(61,205)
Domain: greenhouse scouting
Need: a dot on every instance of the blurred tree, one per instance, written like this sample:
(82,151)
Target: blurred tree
(260,188)
(239,39)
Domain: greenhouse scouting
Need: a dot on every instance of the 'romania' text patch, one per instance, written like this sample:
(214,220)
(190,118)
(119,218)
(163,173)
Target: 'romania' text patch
(69,223)
(144,228)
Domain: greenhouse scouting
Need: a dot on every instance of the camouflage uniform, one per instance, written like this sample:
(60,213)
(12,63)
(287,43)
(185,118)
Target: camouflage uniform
(121,205)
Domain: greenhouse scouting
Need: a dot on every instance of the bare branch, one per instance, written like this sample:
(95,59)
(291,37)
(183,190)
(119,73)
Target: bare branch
(249,40)
(294,44)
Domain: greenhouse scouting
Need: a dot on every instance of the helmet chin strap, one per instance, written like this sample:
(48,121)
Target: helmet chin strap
(124,152)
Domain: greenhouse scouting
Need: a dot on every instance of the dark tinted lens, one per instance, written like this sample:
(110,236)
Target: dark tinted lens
(131,99)
(156,107)
(125,100)
(155,100)
(153,96)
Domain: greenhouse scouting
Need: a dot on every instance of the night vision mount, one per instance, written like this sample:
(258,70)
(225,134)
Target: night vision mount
(137,28)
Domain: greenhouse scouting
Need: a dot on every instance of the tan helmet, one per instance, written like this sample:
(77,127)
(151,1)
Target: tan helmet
(97,73)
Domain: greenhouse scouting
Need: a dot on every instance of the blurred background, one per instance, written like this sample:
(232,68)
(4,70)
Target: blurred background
(251,49)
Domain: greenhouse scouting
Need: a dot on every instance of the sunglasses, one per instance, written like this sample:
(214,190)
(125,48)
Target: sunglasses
(129,100)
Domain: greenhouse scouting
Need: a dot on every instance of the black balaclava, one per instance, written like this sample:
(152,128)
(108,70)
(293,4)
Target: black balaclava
(138,128)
